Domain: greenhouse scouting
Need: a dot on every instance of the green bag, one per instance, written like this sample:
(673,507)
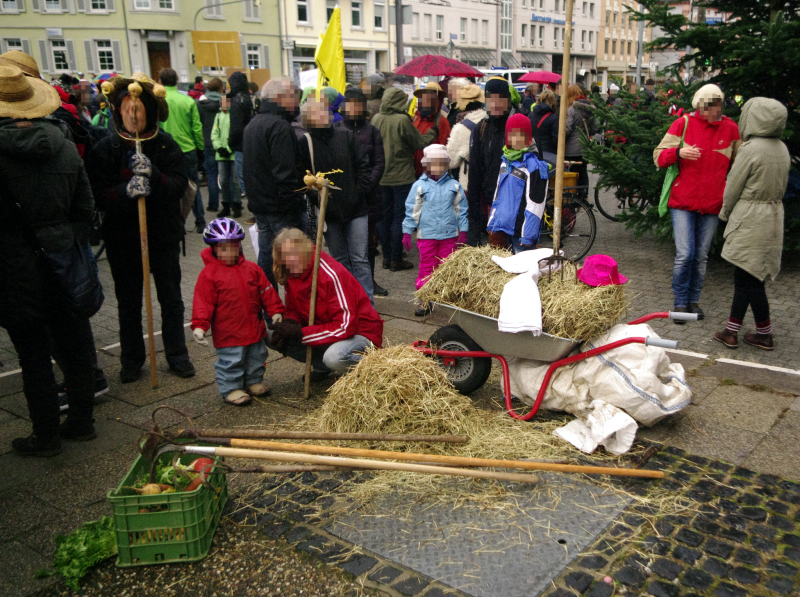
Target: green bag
(672,174)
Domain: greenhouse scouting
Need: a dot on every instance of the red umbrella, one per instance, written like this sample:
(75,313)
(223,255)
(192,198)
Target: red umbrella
(433,65)
(540,76)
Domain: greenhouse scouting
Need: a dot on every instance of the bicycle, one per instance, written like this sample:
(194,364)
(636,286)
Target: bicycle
(578,224)
(623,201)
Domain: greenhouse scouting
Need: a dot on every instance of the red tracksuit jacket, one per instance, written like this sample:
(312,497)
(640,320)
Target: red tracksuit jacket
(701,183)
(229,300)
(343,308)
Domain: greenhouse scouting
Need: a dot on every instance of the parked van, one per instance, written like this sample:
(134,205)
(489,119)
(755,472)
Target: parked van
(512,75)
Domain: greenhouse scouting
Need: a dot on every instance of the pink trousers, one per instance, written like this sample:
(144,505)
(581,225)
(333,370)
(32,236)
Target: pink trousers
(431,254)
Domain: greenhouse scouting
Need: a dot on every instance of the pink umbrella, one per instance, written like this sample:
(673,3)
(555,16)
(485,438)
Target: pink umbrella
(540,76)
(432,65)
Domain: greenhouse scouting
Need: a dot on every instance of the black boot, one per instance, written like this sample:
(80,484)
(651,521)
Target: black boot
(377,289)
(33,446)
(226,211)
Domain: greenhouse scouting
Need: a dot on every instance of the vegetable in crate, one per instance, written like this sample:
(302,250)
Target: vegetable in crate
(93,542)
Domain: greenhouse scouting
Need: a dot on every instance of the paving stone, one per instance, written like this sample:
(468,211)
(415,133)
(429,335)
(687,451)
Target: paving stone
(436,592)
(592,562)
(792,498)
(275,530)
(287,489)
(306,496)
(701,460)
(297,534)
(600,589)
(579,581)
(716,567)
(666,568)
(690,556)
(763,544)
(781,568)
(358,564)
(706,526)
(756,514)
(792,553)
(561,593)
(725,492)
(728,506)
(630,576)
(743,472)
(411,586)
(697,579)
(308,478)
(656,546)
(328,485)
(744,575)
(780,522)
(659,588)
(763,530)
(751,499)
(664,528)
(768,480)
(793,540)
(745,556)
(778,507)
(720,466)
(688,537)
(736,521)
(683,477)
(781,586)
(385,575)
(733,535)
(726,590)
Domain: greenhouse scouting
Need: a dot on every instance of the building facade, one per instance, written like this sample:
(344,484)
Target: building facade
(126,36)
(616,54)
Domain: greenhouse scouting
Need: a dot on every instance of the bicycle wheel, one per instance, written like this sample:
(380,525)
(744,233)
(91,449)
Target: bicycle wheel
(578,227)
(610,205)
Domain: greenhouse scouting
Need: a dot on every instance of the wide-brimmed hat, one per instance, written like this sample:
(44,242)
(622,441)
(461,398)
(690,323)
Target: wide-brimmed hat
(469,94)
(22,61)
(435,151)
(435,87)
(600,270)
(25,97)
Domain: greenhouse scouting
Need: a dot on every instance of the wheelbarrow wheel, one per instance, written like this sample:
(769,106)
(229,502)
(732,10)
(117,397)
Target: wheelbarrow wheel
(468,373)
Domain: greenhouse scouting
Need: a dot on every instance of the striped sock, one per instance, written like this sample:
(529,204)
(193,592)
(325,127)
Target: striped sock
(733,325)
(764,327)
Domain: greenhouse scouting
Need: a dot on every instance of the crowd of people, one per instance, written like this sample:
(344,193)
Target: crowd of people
(467,165)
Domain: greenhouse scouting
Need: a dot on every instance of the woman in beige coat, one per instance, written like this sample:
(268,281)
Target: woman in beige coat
(753,207)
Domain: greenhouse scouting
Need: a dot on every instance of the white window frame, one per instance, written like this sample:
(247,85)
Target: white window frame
(19,6)
(591,39)
(524,35)
(541,36)
(52,48)
(555,37)
(24,44)
(213,12)
(139,4)
(330,5)
(379,12)
(439,27)
(474,31)
(254,51)
(98,49)
(462,36)
(53,9)
(485,31)
(155,6)
(171,8)
(255,12)
(415,25)
(585,5)
(533,35)
(307,5)
(359,11)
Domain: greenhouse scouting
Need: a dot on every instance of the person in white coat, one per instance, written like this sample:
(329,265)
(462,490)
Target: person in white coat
(470,104)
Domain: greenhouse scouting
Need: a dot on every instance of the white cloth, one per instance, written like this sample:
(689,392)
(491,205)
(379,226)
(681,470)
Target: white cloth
(604,425)
(520,303)
(634,378)
(253,230)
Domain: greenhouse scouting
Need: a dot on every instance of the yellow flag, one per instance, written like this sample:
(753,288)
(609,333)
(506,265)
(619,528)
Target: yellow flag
(329,56)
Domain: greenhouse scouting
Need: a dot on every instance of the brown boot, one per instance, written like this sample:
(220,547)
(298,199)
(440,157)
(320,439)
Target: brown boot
(727,338)
(762,341)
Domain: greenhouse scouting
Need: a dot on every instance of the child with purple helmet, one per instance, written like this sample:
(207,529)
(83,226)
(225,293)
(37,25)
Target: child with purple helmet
(230,298)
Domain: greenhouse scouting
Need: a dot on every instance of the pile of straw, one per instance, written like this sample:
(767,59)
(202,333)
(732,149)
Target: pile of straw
(468,279)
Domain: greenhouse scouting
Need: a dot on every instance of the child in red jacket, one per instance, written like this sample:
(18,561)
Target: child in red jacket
(229,298)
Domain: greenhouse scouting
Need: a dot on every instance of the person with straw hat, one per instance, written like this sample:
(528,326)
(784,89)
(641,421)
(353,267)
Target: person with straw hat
(24,62)
(429,115)
(119,176)
(46,203)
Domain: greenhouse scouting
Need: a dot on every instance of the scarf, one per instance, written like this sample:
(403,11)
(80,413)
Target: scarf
(515,155)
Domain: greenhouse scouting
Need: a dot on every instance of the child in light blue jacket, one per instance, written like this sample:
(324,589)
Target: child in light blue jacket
(437,208)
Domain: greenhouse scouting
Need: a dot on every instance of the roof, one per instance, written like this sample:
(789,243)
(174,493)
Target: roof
(477,54)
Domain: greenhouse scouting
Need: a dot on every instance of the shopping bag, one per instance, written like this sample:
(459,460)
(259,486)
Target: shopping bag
(669,179)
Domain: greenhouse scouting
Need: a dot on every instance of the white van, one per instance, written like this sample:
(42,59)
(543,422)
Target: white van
(512,75)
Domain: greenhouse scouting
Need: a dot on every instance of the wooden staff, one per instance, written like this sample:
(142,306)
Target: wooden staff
(135,90)
(319,435)
(562,133)
(323,204)
(357,463)
(450,460)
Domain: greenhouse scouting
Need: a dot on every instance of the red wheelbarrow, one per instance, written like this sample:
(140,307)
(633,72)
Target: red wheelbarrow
(468,362)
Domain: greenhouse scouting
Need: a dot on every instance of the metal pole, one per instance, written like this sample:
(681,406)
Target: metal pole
(398,25)
(639,51)
(562,134)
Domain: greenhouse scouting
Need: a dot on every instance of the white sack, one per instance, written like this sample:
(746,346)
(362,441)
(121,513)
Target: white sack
(253,230)
(604,425)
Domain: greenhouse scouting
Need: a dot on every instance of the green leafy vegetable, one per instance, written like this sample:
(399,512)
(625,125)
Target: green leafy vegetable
(164,474)
(83,548)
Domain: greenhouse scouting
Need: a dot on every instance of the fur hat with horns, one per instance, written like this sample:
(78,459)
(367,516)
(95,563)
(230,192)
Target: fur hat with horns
(152,95)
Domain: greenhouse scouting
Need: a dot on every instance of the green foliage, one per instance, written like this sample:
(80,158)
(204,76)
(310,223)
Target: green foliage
(82,549)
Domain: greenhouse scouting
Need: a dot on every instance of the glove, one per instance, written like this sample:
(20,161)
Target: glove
(277,318)
(407,242)
(224,152)
(140,165)
(285,331)
(138,186)
(199,334)
(462,238)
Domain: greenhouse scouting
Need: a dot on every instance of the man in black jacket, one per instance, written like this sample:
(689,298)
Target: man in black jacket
(271,172)
(486,149)
(369,138)
(208,106)
(241,115)
(119,176)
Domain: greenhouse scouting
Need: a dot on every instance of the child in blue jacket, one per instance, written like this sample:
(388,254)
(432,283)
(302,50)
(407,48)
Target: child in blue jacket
(437,208)
(516,215)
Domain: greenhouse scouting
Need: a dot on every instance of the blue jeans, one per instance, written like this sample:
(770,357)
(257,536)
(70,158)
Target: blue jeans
(693,233)
(337,357)
(239,367)
(347,244)
(210,162)
(269,225)
(191,171)
(239,158)
(394,210)
(229,197)
(516,247)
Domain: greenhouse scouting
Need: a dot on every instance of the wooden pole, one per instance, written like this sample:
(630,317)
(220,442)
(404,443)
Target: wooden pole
(323,204)
(562,132)
(452,460)
(356,463)
(278,434)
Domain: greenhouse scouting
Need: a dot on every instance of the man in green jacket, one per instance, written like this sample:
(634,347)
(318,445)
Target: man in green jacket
(400,140)
(185,127)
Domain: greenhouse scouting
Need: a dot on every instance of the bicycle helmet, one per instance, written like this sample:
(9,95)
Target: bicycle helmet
(222,229)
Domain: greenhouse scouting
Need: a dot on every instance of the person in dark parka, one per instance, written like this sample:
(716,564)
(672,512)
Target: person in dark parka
(544,123)
(241,114)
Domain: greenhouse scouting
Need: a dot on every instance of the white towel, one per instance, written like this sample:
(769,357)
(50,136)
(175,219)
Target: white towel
(526,261)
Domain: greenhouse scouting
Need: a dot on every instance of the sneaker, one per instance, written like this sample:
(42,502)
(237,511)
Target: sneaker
(762,341)
(695,308)
(100,385)
(100,388)
(225,213)
(727,338)
(130,374)
(259,390)
(63,403)
(379,290)
(399,266)
(182,368)
(80,431)
(200,228)
(237,212)
(33,446)
(679,310)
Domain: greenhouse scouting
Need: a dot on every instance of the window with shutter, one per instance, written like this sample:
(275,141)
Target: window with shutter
(81,5)
(244,55)
(35,5)
(26,47)
(44,61)
(88,50)
(265,53)
(73,62)
(105,56)
(111,6)
(248,9)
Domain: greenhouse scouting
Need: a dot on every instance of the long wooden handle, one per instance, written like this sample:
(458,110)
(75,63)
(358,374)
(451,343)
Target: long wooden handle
(356,463)
(148,300)
(456,460)
(562,132)
(278,434)
(312,308)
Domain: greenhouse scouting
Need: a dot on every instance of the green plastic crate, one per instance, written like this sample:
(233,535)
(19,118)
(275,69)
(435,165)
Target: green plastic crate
(178,527)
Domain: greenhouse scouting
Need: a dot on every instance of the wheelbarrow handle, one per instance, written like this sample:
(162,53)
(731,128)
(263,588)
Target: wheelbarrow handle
(683,316)
(661,342)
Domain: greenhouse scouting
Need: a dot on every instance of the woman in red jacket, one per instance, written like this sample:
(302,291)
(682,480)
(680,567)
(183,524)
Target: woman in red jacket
(695,199)
(345,323)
